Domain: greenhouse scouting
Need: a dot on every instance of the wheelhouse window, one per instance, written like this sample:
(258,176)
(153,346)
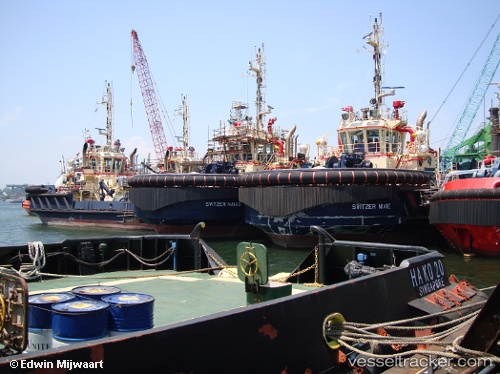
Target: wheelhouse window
(343,140)
(393,141)
(117,165)
(108,162)
(356,138)
(373,139)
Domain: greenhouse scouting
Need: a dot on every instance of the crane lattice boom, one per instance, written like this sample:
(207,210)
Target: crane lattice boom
(473,104)
(149,97)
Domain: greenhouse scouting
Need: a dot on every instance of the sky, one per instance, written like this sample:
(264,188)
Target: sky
(57,55)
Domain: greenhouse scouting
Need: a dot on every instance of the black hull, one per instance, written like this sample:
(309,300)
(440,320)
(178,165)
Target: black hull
(356,212)
(177,209)
(279,335)
(417,232)
(280,202)
(285,334)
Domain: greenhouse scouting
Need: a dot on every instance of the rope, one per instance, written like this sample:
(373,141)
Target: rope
(221,266)
(398,340)
(145,262)
(414,319)
(131,276)
(348,332)
(363,332)
(36,254)
(447,354)
(401,354)
(487,288)
(471,352)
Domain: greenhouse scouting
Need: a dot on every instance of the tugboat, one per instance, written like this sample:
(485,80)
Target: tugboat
(370,184)
(172,203)
(466,209)
(173,303)
(245,145)
(93,188)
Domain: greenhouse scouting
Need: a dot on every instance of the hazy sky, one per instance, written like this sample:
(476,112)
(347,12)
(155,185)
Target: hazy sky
(56,56)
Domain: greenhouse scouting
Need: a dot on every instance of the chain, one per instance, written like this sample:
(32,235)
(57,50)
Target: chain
(222,266)
(314,266)
(316,270)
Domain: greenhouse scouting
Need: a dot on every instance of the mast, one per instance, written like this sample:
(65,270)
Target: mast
(183,110)
(260,71)
(107,99)
(374,39)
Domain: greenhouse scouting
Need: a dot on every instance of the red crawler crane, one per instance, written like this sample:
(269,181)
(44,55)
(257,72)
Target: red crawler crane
(149,97)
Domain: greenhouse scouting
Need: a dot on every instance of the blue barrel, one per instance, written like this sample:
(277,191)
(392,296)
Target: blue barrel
(40,308)
(130,311)
(95,292)
(80,320)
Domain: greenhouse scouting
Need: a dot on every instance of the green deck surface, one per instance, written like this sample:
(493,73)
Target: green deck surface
(178,297)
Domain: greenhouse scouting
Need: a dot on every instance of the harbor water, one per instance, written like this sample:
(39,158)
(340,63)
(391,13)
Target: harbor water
(17,227)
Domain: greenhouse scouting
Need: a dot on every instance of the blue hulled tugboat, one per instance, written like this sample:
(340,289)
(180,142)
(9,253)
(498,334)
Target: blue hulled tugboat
(174,203)
(93,187)
(370,184)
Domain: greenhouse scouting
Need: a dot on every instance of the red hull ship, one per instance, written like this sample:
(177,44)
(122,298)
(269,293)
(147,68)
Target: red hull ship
(466,212)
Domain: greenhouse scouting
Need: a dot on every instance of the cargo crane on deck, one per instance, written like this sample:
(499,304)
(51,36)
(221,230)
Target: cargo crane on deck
(470,111)
(149,97)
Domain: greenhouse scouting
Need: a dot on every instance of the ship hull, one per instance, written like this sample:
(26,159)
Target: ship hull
(418,232)
(362,212)
(283,204)
(223,218)
(281,335)
(466,213)
(62,210)
(177,208)
(481,240)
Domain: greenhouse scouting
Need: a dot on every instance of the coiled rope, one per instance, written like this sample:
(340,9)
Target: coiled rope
(36,253)
(349,333)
